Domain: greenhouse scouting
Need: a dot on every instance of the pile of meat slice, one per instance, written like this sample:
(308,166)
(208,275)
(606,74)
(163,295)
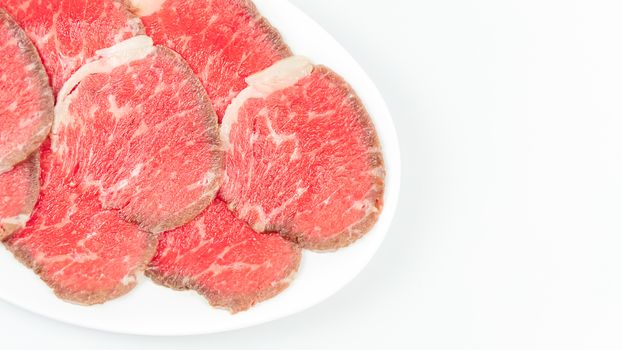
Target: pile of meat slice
(177,139)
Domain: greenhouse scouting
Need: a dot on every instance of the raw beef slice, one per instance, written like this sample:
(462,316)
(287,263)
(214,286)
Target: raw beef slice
(67,33)
(302,157)
(222,258)
(86,254)
(134,141)
(138,126)
(18,195)
(224,41)
(26,102)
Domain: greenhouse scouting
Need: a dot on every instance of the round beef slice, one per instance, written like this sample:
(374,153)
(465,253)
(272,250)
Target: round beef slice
(86,254)
(302,157)
(26,102)
(137,125)
(223,259)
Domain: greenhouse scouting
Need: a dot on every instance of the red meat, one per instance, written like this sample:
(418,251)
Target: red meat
(67,33)
(134,140)
(224,41)
(19,192)
(302,157)
(26,102)
(86,254)
(225,260)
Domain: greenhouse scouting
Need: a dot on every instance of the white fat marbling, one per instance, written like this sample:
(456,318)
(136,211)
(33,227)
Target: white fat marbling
(117,55)
(146,7)
(280,75)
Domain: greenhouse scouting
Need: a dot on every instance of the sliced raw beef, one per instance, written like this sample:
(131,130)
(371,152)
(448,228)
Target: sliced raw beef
(224,41)
(26,102)
(222,258)
(86,254)
(68,32)
(134,140)
(18,195)
(138,126)
(302,156)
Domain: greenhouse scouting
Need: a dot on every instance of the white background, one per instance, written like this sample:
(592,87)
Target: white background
(508,234)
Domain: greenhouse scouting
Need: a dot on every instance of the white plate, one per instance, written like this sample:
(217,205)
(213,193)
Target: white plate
(154,310)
